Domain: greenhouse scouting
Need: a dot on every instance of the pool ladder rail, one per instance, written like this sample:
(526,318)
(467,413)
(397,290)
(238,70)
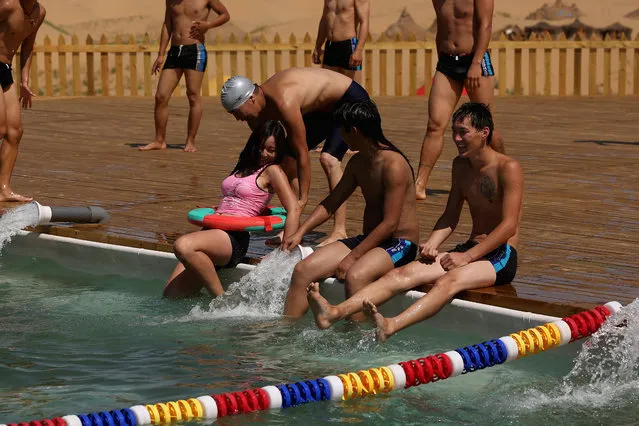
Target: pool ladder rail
(351,385)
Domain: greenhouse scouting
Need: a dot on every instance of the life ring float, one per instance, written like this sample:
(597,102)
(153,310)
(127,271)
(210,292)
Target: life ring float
(206,218)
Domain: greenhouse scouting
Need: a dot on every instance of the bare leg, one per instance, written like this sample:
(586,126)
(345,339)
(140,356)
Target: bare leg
(485,94)
(394,282)
(11,129)
(474,275)
(193,87)
(444,95)
(199,252)
(367,269)
(333,169)
(319,265)
(169,79)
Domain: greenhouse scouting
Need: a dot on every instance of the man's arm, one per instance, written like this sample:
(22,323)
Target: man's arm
(512,181)
(362,12)
(223,15)
(448,221)
(25,61)
(165,37)
(483,24)
(292,117)
(322,33)
(327,207)
(280,185)
(396,178)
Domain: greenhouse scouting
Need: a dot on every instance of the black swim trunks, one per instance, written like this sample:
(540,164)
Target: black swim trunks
(6,78)
(239,246)
(190,56)
(401,251)
(457,66)
(321,125)
(503,259)
(338,54)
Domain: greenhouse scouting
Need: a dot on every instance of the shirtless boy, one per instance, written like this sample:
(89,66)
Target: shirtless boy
(185,24)
(463,32)
(390,233)
(344,27)
(19,23)
(304,100)
(492,185)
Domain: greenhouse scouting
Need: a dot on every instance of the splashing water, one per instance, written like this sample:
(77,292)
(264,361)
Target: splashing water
(260,293)
(14,220)
(606,371)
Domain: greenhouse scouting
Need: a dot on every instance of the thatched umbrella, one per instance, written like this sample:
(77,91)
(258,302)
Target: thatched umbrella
(557,11)
(616,30)
(405,26)
(578,27)
(542,28)
(633,15)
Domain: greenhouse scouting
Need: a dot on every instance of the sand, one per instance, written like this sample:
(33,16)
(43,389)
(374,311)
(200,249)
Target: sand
(83,17)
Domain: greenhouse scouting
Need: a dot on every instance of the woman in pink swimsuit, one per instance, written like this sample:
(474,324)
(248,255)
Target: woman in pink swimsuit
(246,192)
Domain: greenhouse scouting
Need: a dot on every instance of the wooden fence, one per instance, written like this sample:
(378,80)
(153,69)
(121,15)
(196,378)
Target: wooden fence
(539,66)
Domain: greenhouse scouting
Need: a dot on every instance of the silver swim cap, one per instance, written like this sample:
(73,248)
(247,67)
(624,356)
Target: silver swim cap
(235,91)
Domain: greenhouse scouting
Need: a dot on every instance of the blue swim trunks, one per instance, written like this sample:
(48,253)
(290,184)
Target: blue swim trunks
(503,259)
(400,250)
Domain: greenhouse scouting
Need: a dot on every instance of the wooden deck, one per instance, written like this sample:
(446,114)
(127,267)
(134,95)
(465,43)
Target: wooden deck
(580,224)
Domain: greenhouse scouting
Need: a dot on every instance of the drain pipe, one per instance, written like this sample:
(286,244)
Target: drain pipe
(91,214)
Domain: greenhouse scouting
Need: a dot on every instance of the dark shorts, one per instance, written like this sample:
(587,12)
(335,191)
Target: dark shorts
(6,78)
(503,259)
(338,54)
(400,250)
(457,66)
(190,57)
(321,126)
(239,243)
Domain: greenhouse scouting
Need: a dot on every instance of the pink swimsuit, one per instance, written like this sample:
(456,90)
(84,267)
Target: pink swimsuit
(242,196)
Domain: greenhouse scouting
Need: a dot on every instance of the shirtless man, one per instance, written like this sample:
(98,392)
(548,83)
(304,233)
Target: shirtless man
(185,24)
(344,27)
(303,99)
(463,33)
(19,23)
(492,184)
(391,233)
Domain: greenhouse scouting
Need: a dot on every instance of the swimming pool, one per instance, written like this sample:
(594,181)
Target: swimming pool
(84,330)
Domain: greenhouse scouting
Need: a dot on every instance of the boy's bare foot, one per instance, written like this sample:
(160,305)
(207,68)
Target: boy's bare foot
(190,147)
(325,313)
(335,236)
(378,320)
(11,196)
(153,145)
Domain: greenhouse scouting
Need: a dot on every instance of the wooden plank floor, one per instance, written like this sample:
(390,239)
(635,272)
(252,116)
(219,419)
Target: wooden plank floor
(580,224)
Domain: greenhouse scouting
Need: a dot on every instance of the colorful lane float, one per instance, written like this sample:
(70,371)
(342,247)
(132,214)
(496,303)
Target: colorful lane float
(205,217)
(353,385)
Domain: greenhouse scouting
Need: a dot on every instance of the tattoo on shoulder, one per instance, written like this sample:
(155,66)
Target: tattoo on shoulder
(487,188)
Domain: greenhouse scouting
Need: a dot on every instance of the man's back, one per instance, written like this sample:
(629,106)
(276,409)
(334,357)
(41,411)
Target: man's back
(310,89)
(454,25)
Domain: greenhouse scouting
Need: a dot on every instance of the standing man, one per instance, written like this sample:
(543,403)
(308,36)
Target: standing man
(304,100)
(19,23)
(344,27)
(185,23)
(463,32)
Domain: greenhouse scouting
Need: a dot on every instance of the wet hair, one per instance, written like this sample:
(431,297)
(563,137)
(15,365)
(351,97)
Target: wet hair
(364,116)
(251,156)
(480,117)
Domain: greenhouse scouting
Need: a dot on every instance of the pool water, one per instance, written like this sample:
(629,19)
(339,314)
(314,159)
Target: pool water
(73,343)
